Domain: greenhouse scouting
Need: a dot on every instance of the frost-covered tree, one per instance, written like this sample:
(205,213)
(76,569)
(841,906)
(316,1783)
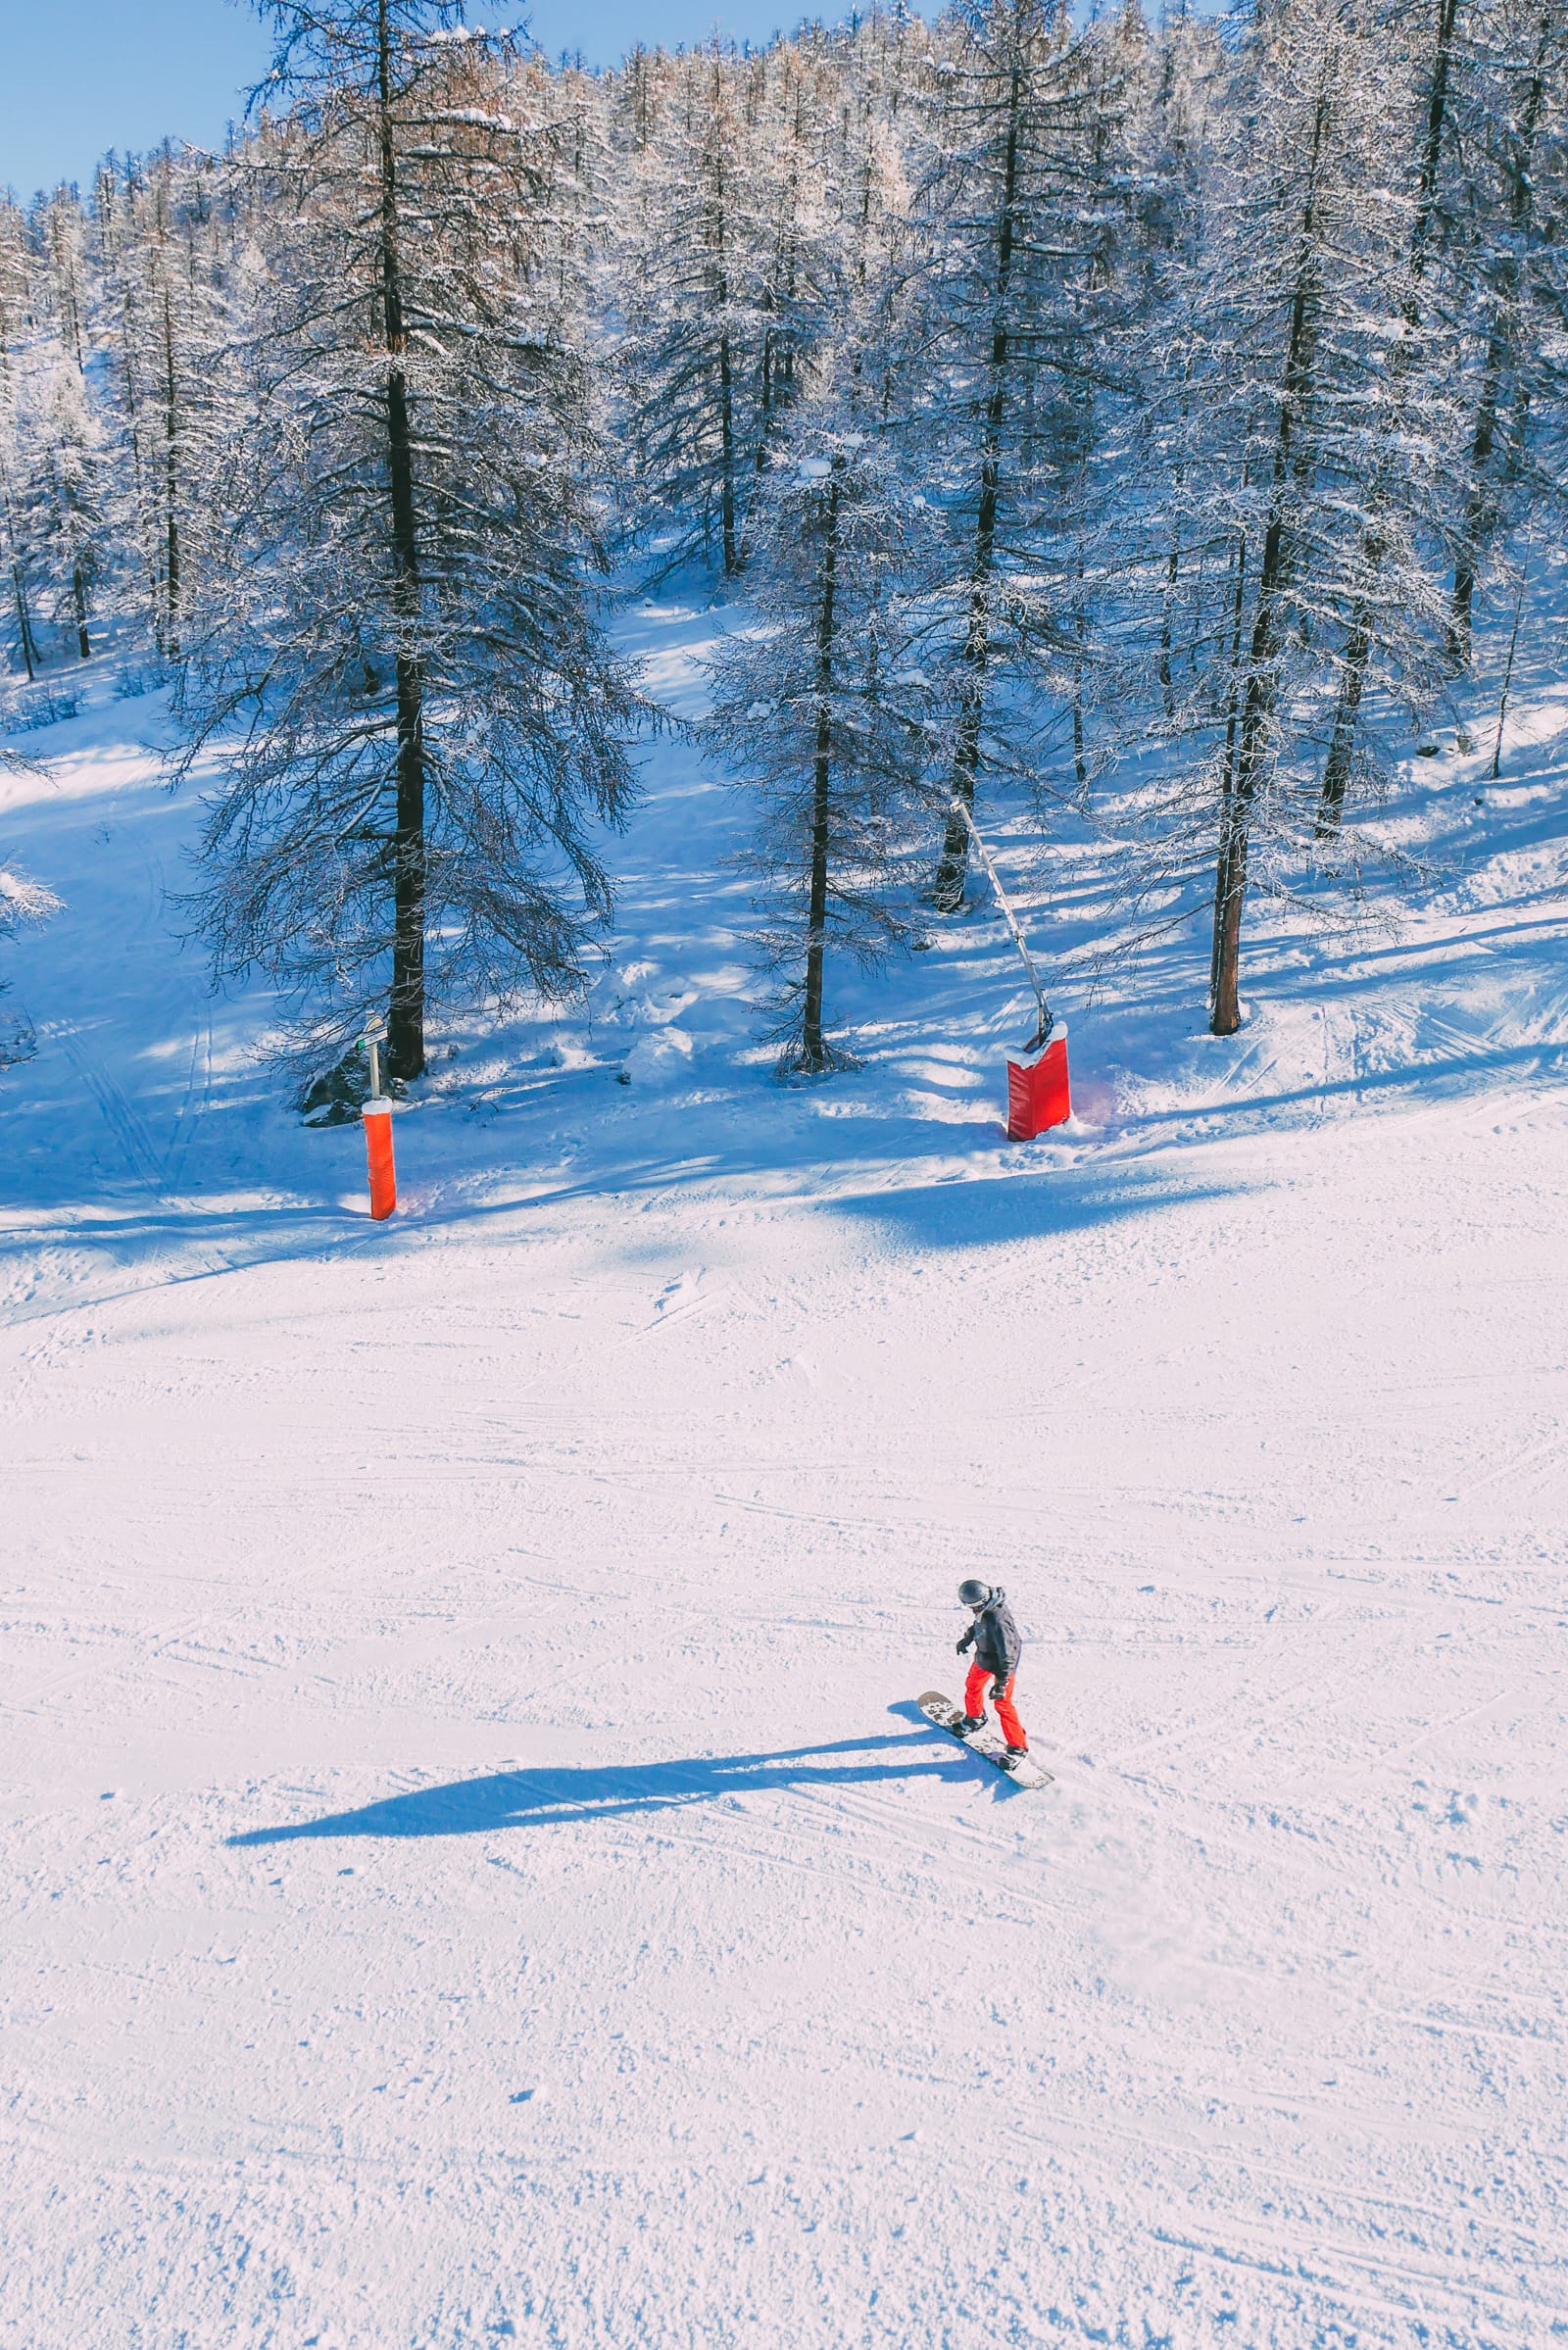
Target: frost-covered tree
(1017,226)
(692,242)
(54,484)
(394,618)
(1509,232)
(576,164)
(69,493)
(817,707)
(731,271)
(60,234)
(166,241)
(23,900)
(16,335)
(1408,434)
(1294,473)
(800,277)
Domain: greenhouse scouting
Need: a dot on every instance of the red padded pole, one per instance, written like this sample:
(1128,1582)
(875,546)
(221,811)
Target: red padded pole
(378,1153)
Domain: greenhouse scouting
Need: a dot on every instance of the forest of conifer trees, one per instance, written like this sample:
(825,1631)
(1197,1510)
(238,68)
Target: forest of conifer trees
(1125,422)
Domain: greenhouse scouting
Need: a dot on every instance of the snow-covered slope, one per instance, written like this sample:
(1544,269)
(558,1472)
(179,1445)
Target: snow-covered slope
(474,1869)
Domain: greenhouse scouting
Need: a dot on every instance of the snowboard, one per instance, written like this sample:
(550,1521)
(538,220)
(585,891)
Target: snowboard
(1021,1769)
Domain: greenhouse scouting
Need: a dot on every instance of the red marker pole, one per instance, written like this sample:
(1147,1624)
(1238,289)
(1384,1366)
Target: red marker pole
(377,1115)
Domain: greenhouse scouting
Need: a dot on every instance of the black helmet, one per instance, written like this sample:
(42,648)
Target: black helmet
(974,1594)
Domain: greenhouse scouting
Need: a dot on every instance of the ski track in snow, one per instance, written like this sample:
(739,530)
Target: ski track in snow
(476,1872)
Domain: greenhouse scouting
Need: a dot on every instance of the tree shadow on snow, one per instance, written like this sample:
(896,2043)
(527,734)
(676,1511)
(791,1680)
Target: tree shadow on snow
(545,1797)
(999,1209)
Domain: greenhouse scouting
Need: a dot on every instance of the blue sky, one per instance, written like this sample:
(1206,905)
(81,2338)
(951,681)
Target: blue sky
(77,76)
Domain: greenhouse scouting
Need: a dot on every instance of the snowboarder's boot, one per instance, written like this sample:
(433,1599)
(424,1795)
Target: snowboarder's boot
(967,1724)
(1018,1749)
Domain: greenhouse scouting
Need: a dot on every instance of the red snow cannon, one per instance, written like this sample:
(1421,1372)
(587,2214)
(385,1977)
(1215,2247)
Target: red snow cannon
(1039,1096)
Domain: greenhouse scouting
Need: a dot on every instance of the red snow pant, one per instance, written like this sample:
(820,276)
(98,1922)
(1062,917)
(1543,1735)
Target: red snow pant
(974,1704)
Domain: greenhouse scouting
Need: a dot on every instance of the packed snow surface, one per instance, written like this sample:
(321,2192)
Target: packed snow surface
(475,1871)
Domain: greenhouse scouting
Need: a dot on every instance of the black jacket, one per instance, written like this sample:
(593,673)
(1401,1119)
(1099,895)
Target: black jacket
(996,1644)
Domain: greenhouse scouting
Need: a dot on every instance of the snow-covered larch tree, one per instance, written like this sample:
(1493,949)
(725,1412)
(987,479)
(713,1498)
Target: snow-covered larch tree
(395,655)
(695,250)
(1408,436)
(167,239)
(67,494)
(1511,226)
(1297,466)
(816,709)
(1014,223)
(23,900)
(53,478)
(16,335)
(803,228)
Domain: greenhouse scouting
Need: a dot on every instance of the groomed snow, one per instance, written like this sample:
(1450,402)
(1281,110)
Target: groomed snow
(474,1869)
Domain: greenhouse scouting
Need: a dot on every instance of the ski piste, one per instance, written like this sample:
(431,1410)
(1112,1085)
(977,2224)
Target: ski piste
(1019,1768)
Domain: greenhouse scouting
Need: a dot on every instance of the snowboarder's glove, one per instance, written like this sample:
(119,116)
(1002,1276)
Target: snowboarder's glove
(998,1687)
(967,1640)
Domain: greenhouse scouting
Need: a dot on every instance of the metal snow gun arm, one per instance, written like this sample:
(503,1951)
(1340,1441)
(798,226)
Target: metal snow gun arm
(1041,1034)
(1039,1095)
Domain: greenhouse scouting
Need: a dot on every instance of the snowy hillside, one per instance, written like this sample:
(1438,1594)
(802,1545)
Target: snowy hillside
(475,1871)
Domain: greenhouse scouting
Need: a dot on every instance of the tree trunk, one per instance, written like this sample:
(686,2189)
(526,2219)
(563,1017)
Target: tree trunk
(1477,509)
(788,392)
(726,362)
(24,622)
(1172,565)
(813,1047)
(1236,832)
(1507,674)
(1080,762)
(1502,358)
(726,434)
(767,400)
(1342,742)
(134,420)
(1358,644)
(1228,776)
(406,1012)
(952,871)
(78,597)
(1230,891)
(18,588)
(1172,574)
(1257,700)
(170,484)
(1080,625)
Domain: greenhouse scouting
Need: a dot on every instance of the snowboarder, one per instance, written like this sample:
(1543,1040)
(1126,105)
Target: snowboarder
(993,1637)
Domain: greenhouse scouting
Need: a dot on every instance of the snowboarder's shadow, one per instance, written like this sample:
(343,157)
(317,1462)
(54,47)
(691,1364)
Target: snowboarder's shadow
(538,1799)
